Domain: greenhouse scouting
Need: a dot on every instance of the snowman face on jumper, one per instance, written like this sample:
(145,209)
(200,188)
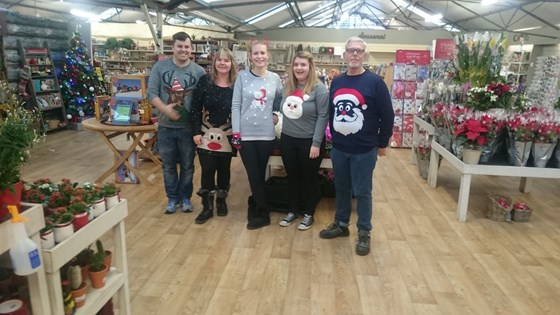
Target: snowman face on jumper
(348,116)
(293,105)
(259,100)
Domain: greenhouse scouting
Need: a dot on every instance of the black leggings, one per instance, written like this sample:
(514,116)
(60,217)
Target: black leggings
(303,181)
(254,155)
(215,167)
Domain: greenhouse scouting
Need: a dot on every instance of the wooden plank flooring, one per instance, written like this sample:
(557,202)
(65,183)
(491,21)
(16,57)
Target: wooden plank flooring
(423,261)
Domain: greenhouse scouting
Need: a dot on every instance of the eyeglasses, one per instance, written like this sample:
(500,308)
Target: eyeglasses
(355,50)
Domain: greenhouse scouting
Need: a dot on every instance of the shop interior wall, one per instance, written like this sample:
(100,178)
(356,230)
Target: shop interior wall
(33,32)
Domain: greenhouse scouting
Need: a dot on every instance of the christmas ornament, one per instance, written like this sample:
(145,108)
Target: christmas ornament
(91,89)
(69,116)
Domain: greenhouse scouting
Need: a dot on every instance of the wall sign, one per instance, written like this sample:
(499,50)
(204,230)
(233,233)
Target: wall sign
(444,49)
(418,57)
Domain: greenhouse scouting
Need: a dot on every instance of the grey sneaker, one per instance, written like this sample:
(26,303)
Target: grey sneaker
(171,207)
(334,230)
(306,223)
(186,205)
(288,219)
(362,245)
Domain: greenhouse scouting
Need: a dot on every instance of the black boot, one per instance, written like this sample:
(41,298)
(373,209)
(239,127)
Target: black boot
(221,206)
(252,208)
(207,206)
(262,219)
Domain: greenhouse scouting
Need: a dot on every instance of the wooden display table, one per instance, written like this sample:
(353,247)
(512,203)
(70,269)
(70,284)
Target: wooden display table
(467,171)
(136,132)
(38,293)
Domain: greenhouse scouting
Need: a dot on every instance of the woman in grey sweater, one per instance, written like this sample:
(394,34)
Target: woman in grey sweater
(305,108)
(256,93)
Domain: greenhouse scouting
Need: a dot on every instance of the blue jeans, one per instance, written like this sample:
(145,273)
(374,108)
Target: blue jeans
(176,146)
(353,173)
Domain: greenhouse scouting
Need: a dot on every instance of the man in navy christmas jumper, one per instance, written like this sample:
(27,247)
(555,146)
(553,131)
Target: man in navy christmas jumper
(361,118)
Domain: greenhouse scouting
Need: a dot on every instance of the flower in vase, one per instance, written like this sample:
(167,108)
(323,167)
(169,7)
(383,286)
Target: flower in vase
(493,95)
(437,114)
(423,151)
(472,132)
(494,122)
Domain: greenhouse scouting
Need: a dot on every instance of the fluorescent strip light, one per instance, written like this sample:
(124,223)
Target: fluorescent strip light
(488,2)
(527,29)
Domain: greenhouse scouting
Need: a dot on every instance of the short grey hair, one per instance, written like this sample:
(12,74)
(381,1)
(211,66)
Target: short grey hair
(355,39)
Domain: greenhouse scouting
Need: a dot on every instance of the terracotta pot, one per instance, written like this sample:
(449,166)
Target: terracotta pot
(79,295)
(108,258)
(98,278)
(8,197)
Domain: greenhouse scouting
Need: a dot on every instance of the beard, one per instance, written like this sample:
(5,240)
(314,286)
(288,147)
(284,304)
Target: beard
(349,124)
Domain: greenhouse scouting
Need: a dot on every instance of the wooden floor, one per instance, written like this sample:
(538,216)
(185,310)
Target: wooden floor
(423,261)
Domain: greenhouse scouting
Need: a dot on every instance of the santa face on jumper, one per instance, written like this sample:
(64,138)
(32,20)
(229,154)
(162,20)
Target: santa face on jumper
(348,116)
(293,105)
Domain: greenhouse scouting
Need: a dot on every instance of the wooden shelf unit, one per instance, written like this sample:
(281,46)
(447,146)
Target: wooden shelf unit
(43,87)
(117,278)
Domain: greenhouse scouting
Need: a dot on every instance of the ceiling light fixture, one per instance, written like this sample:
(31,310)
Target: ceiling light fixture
(527,29)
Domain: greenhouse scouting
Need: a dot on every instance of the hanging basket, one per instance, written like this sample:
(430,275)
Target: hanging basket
(499,207)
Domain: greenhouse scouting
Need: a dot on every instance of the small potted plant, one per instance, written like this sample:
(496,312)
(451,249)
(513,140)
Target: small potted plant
(83,259)
(62,220)
(47,234)
(77,285)
(98,270)
(96,195)
(80,211)
(112,197)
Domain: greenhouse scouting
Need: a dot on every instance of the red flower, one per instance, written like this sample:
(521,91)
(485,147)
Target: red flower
(473,132)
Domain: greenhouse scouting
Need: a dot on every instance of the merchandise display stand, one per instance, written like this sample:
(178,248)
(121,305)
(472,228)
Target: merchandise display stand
(38,293)
(117,278)
(468,170)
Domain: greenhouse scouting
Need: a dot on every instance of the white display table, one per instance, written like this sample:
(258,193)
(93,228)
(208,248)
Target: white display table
(117,278)
(468,170)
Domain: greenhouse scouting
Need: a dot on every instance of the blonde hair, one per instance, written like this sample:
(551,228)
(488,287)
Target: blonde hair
(224,53)
(312,79)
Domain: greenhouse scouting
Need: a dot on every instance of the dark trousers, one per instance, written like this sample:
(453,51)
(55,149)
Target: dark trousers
(215,168)
(254,155)
(303,181)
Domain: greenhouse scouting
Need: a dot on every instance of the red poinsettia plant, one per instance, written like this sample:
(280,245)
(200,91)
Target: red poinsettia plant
(472,132)
(547,132)
(521,127)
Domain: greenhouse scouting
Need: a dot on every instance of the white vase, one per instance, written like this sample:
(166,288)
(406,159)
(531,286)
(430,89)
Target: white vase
(542,153)
(112,201)
(99,208)
(471,156)
(63,231)
(47,239)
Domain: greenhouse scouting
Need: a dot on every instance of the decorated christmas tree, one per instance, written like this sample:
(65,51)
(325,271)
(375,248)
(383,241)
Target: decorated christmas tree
(79,82)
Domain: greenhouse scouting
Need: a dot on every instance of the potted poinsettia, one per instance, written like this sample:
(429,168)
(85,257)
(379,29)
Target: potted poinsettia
(472,133)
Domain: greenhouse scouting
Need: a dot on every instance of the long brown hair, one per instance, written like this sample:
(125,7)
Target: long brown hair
(312,79)
(224,53)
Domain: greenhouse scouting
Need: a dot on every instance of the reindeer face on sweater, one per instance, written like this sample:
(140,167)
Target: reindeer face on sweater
(215,138)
